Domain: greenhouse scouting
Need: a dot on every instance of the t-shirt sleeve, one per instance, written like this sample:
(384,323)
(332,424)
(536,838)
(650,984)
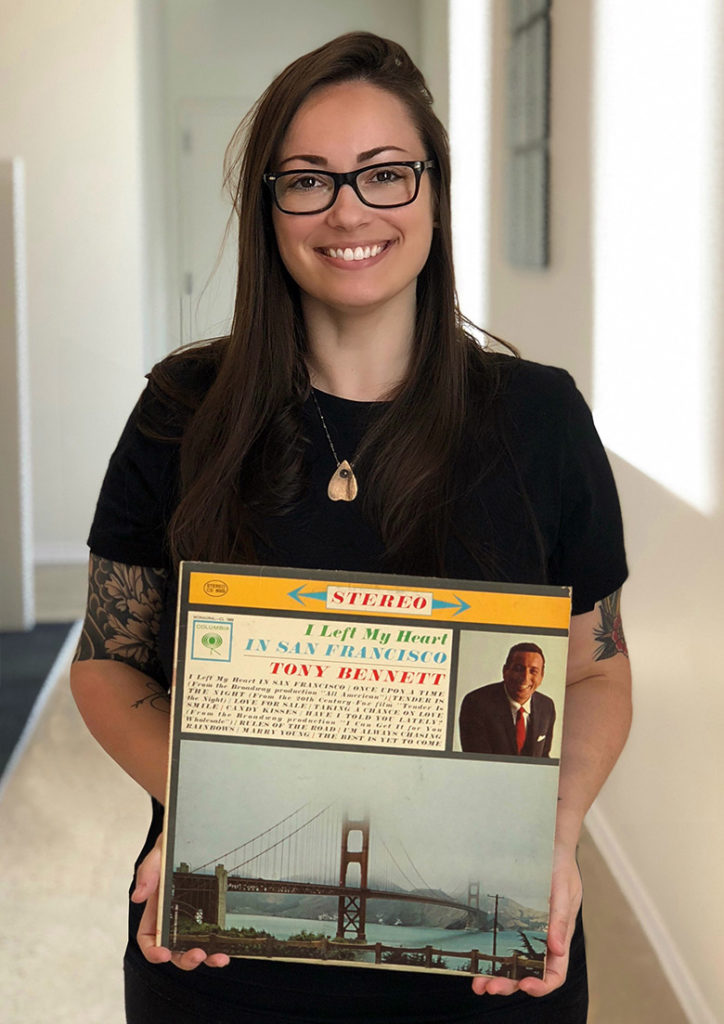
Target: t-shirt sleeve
(136,499)
(590,554)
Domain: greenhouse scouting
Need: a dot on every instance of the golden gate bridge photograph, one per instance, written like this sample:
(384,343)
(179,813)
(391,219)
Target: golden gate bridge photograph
(365,857)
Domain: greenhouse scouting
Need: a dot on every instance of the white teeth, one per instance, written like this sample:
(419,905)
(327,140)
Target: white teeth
(358,253)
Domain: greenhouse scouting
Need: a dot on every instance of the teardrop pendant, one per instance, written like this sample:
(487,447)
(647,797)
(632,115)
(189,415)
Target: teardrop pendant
(343,485)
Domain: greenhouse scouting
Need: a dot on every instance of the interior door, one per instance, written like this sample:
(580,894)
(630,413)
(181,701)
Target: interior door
(206,236)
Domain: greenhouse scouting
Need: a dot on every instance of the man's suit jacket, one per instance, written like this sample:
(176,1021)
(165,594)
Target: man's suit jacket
(487,726)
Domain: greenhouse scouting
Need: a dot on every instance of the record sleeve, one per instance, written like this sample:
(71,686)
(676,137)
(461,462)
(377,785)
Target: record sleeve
(349,782)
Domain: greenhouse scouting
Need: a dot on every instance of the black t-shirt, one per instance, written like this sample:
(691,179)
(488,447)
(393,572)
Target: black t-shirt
(554,465)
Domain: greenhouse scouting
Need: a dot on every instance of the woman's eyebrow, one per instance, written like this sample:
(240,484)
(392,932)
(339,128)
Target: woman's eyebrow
(321,161)
(370,153)
(307,158)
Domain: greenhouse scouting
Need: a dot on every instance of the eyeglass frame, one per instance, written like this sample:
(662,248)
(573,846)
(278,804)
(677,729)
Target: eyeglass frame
(341,178)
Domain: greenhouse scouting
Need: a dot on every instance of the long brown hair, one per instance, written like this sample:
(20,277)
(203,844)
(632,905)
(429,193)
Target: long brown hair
(242,450)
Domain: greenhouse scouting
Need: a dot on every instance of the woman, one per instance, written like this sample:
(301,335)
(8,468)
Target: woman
(348,374)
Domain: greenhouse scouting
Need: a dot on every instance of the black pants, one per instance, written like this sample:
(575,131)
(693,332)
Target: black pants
(169,996)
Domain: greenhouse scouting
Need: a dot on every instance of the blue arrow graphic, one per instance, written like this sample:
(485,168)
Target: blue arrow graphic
(461,605)
(295,594)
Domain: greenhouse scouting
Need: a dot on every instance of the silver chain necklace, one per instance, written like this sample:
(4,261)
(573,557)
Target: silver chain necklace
(343,483)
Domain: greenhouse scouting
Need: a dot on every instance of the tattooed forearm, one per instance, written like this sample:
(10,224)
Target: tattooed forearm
(123,617)
(608,634)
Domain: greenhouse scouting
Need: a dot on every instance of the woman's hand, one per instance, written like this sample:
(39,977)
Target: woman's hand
(565,901)
(597,720)
(148,878)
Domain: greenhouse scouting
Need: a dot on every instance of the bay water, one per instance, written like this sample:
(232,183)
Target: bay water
(395,935)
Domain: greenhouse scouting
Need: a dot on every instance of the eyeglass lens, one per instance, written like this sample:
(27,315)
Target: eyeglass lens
(310,191)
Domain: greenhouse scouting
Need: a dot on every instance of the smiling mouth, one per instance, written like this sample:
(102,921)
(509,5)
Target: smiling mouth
(356,253)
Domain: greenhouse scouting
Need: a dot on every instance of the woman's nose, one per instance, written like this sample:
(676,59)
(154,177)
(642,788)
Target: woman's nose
(347,209)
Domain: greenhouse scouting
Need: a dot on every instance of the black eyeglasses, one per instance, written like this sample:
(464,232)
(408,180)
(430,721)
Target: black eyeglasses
(381,186)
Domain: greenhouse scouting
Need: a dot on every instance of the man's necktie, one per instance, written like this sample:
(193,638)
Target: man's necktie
(520,729)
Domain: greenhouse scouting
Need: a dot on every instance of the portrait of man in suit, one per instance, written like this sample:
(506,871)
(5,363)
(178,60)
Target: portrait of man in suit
(510,717)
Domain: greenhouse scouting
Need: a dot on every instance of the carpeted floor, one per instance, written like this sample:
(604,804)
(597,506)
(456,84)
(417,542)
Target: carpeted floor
(26,660)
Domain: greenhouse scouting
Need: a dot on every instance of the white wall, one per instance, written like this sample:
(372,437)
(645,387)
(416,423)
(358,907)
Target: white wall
(68,76)
(613,310)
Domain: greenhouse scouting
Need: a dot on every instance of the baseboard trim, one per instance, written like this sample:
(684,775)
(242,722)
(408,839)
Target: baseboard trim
(690,996)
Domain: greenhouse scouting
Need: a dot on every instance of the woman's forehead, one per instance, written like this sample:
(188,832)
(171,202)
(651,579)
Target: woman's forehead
(351,119)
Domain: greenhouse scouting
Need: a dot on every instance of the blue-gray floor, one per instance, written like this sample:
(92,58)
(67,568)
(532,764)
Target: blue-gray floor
(25,661)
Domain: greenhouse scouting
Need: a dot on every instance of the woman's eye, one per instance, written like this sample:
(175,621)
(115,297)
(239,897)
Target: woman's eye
(305,183)
(384,176)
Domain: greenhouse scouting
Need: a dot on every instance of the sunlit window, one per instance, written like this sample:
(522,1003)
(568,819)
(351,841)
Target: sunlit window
(469,35)
(657,213)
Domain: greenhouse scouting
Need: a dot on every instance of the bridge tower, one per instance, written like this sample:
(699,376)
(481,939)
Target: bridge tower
(206,894)
(352,907)
(222,879)
(474,895)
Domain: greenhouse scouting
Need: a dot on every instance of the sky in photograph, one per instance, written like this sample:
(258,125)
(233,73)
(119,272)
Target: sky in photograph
(459,819)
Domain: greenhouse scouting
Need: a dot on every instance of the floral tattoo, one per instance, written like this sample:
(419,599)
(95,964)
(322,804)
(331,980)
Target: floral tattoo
(609,633)
(122,620)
